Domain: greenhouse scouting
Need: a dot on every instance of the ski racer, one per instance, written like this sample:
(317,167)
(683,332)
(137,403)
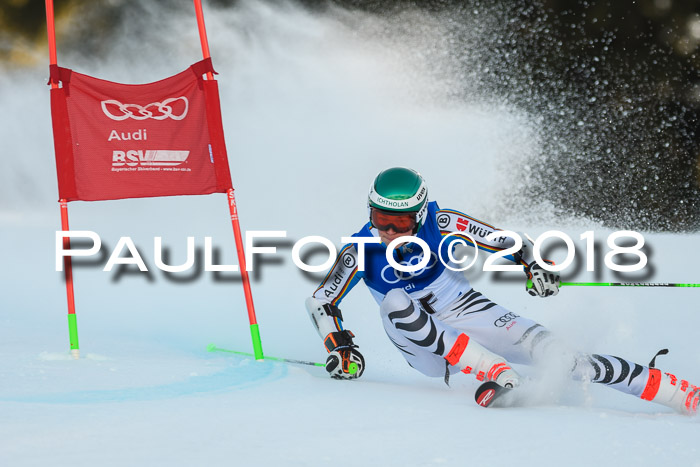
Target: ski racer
(438,322)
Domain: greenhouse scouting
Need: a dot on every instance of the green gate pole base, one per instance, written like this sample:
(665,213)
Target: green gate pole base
(73,335)
(257,343)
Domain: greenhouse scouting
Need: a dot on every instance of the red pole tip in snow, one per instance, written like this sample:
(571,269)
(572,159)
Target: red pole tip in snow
(202,33)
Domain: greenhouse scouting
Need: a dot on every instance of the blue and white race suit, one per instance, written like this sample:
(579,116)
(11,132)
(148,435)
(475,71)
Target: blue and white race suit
(445,305)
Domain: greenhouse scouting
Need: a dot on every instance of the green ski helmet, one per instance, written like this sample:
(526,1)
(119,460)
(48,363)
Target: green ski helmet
(398,192)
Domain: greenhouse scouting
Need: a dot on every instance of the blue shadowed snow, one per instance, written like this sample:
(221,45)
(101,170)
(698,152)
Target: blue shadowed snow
(241,375)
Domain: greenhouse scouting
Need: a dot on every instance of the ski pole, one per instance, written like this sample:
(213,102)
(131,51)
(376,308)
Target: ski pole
(621,284)
(628,284)
(214,348)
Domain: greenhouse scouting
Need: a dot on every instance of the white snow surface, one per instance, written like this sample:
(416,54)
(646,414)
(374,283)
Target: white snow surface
(312,110)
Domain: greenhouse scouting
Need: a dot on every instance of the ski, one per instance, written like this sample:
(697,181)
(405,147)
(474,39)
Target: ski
(490,394)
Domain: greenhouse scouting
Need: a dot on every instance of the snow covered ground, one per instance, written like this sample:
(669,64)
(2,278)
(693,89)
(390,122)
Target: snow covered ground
(311,112)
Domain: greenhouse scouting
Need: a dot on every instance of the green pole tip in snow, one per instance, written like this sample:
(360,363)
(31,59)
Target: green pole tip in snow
(214,348)
(73,331)
(257,343)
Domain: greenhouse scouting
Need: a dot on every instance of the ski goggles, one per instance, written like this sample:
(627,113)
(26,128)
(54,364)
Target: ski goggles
(398,221)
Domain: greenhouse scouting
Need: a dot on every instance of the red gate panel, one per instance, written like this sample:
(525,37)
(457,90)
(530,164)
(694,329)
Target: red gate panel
(117,141)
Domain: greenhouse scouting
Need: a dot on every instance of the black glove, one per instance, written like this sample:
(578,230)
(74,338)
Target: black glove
(540,281)
(344,360)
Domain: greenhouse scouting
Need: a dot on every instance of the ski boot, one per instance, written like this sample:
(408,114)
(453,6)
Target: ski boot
(666,389)
(470,357)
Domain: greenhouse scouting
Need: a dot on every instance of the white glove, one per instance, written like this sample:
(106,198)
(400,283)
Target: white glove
(540,281)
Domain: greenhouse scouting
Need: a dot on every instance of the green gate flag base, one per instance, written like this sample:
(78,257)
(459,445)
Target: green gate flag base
(257,343)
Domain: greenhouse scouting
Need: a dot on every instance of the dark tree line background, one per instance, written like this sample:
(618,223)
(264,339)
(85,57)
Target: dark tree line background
(614,84)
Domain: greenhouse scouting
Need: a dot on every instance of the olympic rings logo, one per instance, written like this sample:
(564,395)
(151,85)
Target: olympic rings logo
(154,110)
(406,275)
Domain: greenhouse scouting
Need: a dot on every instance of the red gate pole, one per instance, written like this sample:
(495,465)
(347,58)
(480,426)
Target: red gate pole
(254,329)
(68,271)
(51,33)
(202,33)
(67,263)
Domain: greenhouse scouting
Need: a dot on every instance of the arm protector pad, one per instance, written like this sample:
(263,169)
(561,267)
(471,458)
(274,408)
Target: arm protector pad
(324,316)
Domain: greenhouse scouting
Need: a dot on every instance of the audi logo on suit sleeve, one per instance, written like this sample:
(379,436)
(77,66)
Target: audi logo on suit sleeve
(156,110)
(505,319)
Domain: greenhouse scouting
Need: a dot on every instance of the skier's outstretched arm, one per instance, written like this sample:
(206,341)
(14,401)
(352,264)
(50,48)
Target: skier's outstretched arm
(344,360)
(477,233)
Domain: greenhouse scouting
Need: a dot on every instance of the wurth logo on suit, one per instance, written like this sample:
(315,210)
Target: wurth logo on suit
(455,222)
(462,224)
